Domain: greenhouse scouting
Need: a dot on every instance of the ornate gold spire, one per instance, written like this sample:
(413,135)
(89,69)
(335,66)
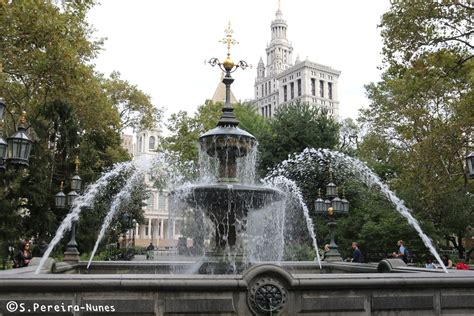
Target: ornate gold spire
(228,40)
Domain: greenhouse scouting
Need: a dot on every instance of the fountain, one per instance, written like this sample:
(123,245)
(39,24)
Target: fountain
(231,279)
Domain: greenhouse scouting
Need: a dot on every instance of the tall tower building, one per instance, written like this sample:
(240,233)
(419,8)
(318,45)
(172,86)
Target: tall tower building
(282,82)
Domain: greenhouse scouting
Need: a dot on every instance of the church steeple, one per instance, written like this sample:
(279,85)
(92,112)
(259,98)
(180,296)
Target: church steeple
(279,51)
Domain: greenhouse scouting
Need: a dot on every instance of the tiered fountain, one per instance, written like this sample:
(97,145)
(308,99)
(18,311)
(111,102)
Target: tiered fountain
(278,288)
(227,202)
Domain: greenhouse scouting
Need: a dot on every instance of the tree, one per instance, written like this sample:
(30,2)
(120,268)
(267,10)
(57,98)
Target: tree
(410,30)
(46,53)
(134,107)
(421,112)
(293,128)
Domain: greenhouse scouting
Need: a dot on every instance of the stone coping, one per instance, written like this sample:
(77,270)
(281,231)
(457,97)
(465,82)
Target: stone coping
(28,282)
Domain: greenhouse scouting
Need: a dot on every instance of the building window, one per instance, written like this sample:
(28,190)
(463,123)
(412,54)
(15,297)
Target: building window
(161,202)
(151,143)
(140,144)
(285,93)
(150,202)
(321,88)
(299,87)
(330,90)
(292,90)
(313,86)
(263,112)
(269,110)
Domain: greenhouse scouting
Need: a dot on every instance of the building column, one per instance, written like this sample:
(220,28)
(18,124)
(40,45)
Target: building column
(137,228)
(149,227)
(162,233)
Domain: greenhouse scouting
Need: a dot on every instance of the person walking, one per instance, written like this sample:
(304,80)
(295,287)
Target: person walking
(357,254)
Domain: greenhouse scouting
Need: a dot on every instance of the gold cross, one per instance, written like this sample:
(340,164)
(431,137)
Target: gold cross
(228,40)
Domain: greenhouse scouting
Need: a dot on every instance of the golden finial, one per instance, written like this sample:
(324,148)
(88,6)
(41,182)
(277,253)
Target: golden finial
(77,162)
(330,211)
(23,118)
(61,187)
(228,40)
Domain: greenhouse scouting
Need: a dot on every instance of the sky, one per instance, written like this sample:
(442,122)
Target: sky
(161,45)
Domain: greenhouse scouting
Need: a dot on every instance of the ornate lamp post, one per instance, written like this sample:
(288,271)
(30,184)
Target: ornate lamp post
(16,149)
(61,202)
(331,207)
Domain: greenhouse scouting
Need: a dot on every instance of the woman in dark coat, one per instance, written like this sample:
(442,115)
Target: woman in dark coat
(23,257)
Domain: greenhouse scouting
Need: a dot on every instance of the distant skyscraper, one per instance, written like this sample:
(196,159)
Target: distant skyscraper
(281,82)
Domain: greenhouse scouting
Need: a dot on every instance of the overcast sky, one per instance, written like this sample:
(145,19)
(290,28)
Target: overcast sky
(161,45)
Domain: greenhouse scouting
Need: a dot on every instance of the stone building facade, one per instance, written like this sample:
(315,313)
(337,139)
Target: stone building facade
(280,81)
(158,228)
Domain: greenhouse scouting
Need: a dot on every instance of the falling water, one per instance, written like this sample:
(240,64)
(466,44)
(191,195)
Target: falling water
(366,175)
(142,167)
(81,202)
(290,186)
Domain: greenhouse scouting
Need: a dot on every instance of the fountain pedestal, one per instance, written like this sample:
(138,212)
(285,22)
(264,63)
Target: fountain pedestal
(333,254)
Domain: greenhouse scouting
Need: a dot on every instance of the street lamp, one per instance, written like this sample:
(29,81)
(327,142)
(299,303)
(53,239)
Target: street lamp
(470,164)
(332,206)
(63,201)
(134,227)
(16,149)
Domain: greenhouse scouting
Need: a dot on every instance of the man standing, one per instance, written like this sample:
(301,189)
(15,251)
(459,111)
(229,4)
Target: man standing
(357,254)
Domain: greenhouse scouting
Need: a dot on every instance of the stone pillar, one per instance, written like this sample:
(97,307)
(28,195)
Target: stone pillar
(149,228)
(162,233)
(137,229)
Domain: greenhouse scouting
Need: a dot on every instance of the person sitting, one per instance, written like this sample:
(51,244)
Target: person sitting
(447,262)
(357,254)
(429,264)
(402,252)
(461,265)
(23,257)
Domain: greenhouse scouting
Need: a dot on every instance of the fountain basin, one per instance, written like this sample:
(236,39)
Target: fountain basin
(298,288)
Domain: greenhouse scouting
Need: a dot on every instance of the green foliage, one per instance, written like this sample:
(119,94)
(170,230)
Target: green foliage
(293,128)
(299,252)
(46,52)
(134,106)
(420,119)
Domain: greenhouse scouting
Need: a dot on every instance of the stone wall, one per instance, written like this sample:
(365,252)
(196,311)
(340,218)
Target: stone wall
(255,292)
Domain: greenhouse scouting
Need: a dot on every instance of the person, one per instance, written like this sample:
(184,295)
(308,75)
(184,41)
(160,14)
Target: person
(326,250)
(429,263)
(462,266)
(447,262)
(402,251)
(357,254)
(149,251)
(23,257)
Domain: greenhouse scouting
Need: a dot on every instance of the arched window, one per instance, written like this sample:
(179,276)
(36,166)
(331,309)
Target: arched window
(151,144)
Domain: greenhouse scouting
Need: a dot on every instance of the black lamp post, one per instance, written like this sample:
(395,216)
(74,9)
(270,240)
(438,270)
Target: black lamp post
(62,201)
(16,149)
(332,206)
(134,227)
